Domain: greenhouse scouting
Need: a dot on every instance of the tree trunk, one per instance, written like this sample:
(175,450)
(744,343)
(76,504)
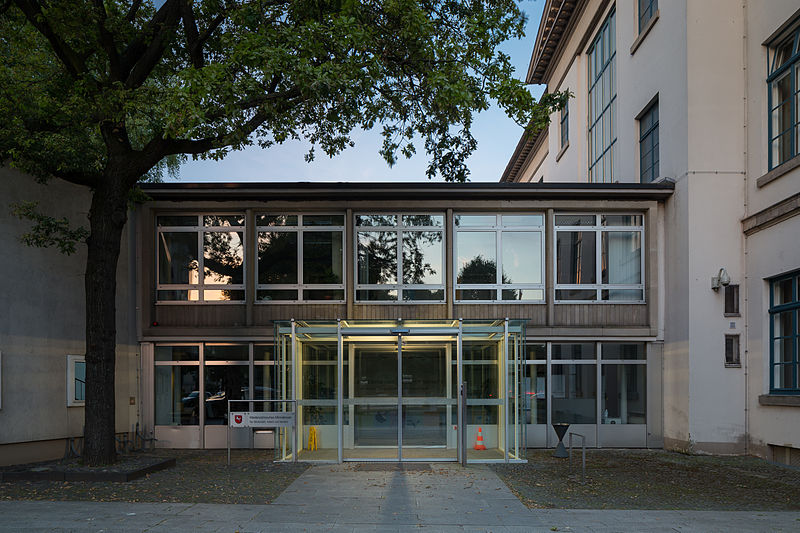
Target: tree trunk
(107,217)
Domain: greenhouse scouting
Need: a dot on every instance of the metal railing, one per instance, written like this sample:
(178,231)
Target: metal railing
(583,454)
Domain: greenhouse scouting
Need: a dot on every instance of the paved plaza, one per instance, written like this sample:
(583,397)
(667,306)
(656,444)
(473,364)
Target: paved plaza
(375,497)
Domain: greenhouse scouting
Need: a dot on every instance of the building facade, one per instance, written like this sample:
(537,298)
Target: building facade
(369,314)
(705,95)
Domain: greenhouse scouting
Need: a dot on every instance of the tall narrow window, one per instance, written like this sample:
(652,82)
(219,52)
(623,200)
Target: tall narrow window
(200,258)
(603,102)
(648,144)
(599,258)
(647,8)
(76,380)
(784,315)
(300,258)
(499,257)
(731,300)
(400,257)
(783,82)
(732,351)
(565,125)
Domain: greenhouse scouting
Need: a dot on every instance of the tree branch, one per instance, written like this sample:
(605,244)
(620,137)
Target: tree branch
(192,35)
(131,16)
(140,58)
(68,57)
(107,41)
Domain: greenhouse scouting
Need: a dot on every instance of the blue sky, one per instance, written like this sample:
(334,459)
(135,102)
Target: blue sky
(497,136)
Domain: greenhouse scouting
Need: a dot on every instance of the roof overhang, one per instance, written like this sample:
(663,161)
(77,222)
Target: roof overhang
(555,19)
(302,191)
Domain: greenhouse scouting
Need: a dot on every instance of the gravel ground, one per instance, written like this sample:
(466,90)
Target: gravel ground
(200,476)
(652,479)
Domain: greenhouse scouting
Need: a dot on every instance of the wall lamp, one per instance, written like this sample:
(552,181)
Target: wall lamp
(722,278)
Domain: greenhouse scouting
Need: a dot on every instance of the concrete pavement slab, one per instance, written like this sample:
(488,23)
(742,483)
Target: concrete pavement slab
(338,499)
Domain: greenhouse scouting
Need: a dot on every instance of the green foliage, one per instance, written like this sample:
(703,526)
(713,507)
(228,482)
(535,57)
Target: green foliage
(83,84)
(48,231)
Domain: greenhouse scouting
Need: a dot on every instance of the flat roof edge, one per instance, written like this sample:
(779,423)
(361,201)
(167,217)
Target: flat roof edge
(379,191)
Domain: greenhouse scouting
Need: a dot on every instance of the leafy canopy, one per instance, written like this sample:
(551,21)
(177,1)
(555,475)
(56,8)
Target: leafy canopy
(90,89)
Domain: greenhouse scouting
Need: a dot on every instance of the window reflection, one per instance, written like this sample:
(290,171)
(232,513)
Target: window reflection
(177,258)
(177,395)
(574,394)
(377,257)
(422,257)
(223,258)
(223,383)
(476,258)
(277,257)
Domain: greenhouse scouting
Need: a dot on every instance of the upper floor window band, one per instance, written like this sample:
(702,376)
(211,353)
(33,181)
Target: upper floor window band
(783,81)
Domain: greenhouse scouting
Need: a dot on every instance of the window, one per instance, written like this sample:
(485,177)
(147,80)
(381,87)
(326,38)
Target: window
(599,258)
(177,385)
(623,382)
(499,257)
(647,9)
(648,144)
(603,102)
(400,257)
(731,300)
(784,309)
(200,258)
(783,83)
(76,380)
(300,258)
(565,125)
(732,351)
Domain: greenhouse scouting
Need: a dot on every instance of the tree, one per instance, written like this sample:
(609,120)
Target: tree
(109,93)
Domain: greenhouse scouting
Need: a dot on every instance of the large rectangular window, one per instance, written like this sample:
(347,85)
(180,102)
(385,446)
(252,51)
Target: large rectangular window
(648,144)
(200,258)
(599,258)
(400,257)
(300,258)
(499,257)
(784,315)
(783,81)
(603,102)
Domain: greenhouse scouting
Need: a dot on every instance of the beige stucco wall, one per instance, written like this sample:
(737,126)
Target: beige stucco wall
(706,63)
(42,321)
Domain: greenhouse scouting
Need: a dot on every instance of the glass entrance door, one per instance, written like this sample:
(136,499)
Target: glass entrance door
(373,403)
(429,410)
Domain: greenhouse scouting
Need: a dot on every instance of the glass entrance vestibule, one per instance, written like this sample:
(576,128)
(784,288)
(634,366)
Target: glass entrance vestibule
(389,390)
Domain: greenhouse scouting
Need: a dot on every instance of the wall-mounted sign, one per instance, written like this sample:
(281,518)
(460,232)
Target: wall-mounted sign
(255,419)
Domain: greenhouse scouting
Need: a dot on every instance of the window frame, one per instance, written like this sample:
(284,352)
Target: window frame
(599,286)
(564,126)
(399,286)
(733,290)
(735,360)
(791,69)
(794,308)
(300,228)
(646,139)
(72,361)
(652,8)
(201,286)
(596,71)
(499,228)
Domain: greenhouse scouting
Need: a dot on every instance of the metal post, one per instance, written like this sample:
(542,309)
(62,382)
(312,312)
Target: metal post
(294,388)
(229,432)
(296,429)
(462,429)
(400,397)
(340,389)
(462,423)
(504,381)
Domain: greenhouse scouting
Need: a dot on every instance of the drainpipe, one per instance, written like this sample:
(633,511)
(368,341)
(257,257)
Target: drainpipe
(744,308)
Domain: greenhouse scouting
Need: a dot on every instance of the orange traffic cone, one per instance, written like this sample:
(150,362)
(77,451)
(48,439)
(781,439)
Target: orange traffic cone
(479,444)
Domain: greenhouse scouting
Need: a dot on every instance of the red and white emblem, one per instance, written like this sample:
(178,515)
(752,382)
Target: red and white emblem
(237,419)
